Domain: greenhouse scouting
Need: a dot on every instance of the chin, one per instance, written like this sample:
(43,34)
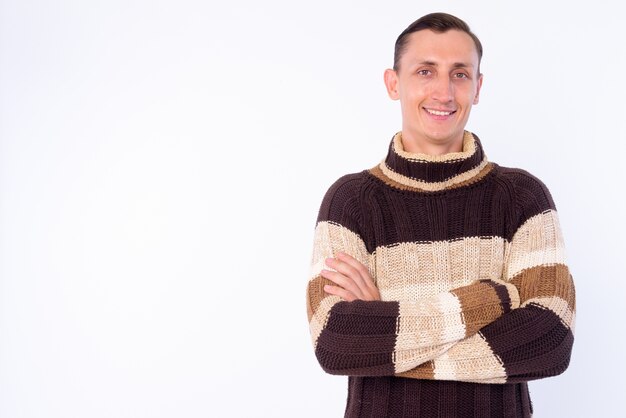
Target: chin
(441,138)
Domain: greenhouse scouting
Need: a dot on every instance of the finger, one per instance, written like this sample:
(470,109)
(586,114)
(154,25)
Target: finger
(339,291)
(343,281)
(356,264)
(347,270)
(364,273)
(354,282)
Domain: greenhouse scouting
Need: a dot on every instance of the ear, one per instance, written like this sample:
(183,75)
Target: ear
(391,82)
(478,86)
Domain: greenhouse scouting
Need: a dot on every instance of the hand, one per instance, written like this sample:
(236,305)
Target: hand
(352,277)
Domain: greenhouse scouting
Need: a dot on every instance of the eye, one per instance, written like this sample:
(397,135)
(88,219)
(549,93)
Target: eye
(424,72)
(460,75)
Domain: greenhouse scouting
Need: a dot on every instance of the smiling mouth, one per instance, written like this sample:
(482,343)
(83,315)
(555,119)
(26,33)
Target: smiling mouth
(440,112)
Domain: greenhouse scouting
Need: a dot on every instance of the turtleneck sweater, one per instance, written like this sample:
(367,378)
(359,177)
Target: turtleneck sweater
(476,296)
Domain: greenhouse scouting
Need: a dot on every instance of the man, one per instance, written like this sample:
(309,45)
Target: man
(438,282)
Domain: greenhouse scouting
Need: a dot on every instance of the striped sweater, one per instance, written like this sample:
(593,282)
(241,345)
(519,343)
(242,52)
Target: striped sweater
(476,297)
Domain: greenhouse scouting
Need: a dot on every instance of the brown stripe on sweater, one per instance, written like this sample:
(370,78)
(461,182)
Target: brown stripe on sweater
(546,281)
(378,173)
(423,371)
(503,295)
(483,295)
(315,294)
(447,182)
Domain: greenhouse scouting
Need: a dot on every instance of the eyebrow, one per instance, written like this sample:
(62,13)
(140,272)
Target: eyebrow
(455,65)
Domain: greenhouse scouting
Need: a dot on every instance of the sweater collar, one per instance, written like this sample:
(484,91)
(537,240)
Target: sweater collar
(423,172)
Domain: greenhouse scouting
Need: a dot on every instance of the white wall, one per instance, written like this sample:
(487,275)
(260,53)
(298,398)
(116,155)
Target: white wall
(161,167)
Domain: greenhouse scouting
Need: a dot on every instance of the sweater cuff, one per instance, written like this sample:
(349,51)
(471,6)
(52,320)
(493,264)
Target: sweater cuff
(509,295)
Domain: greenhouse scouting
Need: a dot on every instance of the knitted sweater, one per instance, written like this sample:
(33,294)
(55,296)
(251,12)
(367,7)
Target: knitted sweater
(477,299)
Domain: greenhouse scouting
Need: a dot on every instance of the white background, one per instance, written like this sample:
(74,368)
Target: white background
(162,164)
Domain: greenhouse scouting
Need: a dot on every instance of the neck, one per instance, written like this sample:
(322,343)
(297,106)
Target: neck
(424,146)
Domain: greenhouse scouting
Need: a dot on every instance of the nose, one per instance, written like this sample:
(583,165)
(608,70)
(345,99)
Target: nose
(443,89)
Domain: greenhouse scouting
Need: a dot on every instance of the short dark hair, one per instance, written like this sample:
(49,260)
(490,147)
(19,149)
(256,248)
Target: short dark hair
(439,23)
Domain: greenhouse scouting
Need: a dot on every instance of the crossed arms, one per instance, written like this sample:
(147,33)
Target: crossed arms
(513,328)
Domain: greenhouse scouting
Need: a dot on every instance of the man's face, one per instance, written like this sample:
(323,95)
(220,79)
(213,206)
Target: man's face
(437,83)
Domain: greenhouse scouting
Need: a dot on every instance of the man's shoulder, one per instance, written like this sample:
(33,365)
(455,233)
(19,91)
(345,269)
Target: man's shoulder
(342,196)
(521,178)
(528,191)
(348,183)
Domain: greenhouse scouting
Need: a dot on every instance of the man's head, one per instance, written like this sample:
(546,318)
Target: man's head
(438,23)
(437,79)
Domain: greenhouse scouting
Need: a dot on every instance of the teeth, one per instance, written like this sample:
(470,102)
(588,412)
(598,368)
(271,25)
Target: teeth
(438,113)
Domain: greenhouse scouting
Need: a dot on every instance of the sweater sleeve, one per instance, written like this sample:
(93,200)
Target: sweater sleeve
(535,340)
(377,338)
